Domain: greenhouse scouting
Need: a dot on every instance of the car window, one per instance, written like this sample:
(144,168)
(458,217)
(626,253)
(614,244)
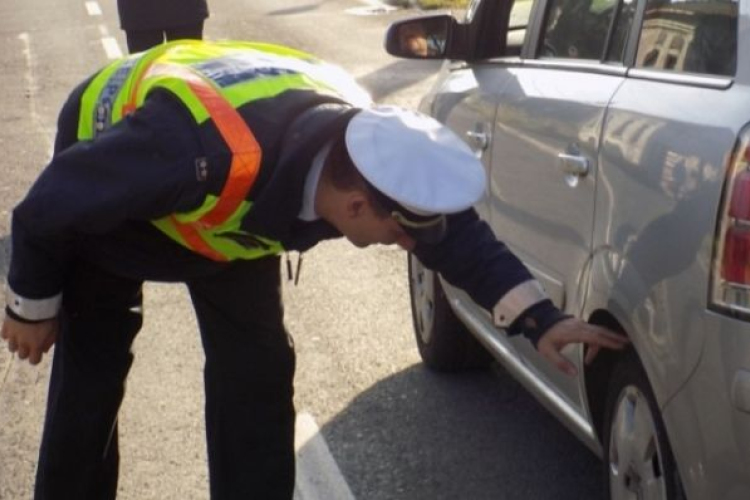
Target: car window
(622,25)
(577,29)
(689,36)
(520,13)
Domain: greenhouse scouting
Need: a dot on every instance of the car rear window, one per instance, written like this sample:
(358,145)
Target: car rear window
(689,36)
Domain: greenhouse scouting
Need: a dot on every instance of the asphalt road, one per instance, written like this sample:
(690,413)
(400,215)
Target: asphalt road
(377,424)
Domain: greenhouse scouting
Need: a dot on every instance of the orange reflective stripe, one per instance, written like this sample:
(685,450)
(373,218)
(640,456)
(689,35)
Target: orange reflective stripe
(131,104)
(127,108)
(246,152)
(194,239)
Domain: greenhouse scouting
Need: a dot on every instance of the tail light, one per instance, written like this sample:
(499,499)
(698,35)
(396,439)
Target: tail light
(730,289)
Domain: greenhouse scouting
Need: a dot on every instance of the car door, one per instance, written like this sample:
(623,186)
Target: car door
(546,137)
(465,97)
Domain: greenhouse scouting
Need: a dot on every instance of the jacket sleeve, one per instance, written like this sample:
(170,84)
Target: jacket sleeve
(142,168)
(471,258)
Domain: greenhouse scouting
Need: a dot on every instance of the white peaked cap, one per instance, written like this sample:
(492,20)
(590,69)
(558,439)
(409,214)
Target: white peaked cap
(415,160)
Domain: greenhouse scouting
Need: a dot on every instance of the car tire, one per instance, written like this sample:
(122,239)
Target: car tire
(444,342)
(638,459)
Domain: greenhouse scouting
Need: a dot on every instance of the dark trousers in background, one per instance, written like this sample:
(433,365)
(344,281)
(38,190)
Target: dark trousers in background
(141,40)
(248,377)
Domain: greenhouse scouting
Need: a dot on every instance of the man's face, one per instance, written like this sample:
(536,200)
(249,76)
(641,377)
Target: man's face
(412,39)
(364,227)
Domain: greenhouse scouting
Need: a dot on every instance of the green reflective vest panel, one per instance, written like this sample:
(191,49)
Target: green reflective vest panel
(213,79)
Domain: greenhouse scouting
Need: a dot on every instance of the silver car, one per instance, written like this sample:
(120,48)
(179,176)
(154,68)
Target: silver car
(616,142)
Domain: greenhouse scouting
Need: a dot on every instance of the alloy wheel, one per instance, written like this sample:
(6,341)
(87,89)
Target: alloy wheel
(636,468)
(423,297)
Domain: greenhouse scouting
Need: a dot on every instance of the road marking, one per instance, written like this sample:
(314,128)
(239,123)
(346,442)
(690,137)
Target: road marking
(318,476)
(32,88)
(377,4)
(7,371)
(373,7)
(93,9)
(111,47)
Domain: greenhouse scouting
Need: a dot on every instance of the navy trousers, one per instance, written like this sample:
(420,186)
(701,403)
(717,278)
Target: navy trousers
(140,40)
(248,377)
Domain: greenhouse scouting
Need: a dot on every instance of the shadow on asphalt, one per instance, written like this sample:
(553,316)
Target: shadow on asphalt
(474,436)
(301,9)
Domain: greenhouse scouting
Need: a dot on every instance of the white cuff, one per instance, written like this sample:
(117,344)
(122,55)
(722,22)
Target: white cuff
(32,309)
(516,301)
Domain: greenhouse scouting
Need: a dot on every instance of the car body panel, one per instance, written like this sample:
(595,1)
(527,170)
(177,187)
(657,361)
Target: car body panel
(465,100)
(502,347)
(634,239)
(544,113)
(709,418)
(664,153)
(459,103)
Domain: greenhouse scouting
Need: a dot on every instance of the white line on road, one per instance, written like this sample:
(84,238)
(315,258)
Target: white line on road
(32,89)
(372,7)
(378,4)
(318,476)
(111,47)
(4,378)
(93,9)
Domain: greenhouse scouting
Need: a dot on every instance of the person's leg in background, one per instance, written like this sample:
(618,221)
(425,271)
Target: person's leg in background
(187,32)
(140,40)
(249,382)
(100,317)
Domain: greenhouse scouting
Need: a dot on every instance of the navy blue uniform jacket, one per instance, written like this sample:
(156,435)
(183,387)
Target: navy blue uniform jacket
(95,199)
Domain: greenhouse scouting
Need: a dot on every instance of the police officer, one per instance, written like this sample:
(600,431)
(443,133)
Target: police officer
(201,162)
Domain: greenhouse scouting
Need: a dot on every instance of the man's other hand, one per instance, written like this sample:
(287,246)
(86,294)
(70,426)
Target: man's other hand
(29,340)
(573,330)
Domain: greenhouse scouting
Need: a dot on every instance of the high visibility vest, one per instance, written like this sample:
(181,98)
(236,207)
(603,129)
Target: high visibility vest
(213,79)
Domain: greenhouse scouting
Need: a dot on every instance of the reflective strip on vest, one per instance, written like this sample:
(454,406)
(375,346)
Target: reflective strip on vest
(102,101)
(246,152)
(246,155)
(212,80)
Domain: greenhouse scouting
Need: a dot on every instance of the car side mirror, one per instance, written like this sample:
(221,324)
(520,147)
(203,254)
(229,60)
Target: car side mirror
(428,37)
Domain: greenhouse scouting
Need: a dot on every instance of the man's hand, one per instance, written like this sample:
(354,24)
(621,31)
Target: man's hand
(573,330)
(29,340)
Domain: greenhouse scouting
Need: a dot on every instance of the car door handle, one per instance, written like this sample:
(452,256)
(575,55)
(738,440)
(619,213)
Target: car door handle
(480,139)
(576,165)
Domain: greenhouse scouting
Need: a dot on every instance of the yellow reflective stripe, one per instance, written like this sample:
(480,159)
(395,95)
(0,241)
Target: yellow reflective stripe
(190,55)
(208,204)
(90,100)
(232,249)
(166,226)
(178,87)
(252,90)
(222,244)
(141,74)
(270,48)
(188,52)
(116,81)
(195,53)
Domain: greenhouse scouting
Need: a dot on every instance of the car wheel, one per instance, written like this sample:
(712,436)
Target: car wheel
(637,456)
(443,341)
